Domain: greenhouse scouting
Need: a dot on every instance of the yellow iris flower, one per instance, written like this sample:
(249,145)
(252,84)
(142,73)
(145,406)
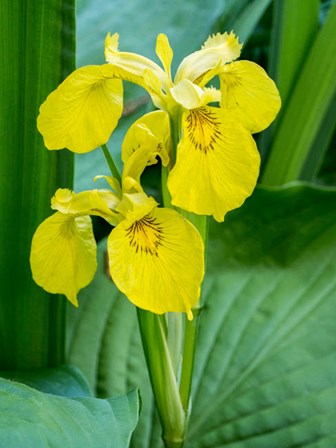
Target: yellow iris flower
(217,162)
(155,255)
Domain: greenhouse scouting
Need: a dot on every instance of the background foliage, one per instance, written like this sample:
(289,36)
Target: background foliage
(265,362)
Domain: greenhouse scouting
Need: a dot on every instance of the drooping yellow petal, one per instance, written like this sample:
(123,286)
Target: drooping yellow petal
(157,262)
(83,111)
(92,202)
(63,255)
(132,67)
(250,93)
(164,52)
(151,130)
(217,163)
(218,50)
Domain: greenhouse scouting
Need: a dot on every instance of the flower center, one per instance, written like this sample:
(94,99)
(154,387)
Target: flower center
(203,129)
(145,235)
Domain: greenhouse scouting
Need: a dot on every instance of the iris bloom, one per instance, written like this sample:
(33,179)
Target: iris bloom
(155,255)
(217,162)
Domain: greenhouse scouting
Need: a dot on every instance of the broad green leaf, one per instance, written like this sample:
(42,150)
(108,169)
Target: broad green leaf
(32,419)
(306,110)
(265,360)
(36,52)
(294,28)
(295,25)
(66,381)
(269,324)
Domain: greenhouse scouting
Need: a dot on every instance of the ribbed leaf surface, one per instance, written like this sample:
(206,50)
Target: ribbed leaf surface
(33,419)
(265,362)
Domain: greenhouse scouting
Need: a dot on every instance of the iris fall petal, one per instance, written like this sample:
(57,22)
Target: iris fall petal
(63,255)
(217,163)
(250,93)
(83,111)
(157,261)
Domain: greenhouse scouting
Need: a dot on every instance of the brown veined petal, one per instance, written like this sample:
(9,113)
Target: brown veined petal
(157,261)
(83,111)
(63,255)
(250,93)
(217,163)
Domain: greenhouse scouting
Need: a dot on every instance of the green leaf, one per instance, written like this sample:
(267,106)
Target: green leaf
(269,325)
(34,419)
(295,25)
(306,111)
(66,381)
(265,360)
(245,23)
(37,51)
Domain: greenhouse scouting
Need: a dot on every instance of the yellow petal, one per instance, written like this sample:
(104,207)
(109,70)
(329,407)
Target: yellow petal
(134,206)
(157,262)
(151,130)
(135,166)
(217,163)
(63,255)
(216,51)
(83,111)
(250,93)
(191,96)
(132,67)
(164,52)
(92,202)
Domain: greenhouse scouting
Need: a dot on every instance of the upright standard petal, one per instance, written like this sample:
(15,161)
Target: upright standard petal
(250,93)
(164,52)
(216,51)
(157,261)
(83,111)
(217,163)
(63,255)
(133,67)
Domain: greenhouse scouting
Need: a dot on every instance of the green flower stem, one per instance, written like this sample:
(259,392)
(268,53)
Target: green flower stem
(188,357)
(191,327)
(175,339)
(111,163)
(162,375)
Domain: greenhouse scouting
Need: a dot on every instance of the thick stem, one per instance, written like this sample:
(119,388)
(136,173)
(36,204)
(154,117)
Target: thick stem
(188,360)
(162,375)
